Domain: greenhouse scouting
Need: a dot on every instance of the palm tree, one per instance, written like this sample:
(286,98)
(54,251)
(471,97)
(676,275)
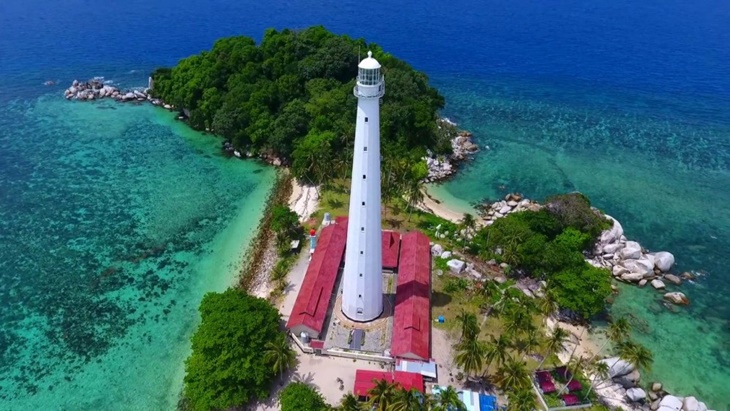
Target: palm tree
(636,354)
(530,341)
(521,400)
(497,349)
(617,332)
(470,356)
(599,370)
(516,320)
(407,400)
(349,403)
(468,222)
(447,400)
(381,394)
(414,194)
(554,343)
(469,325)
(547,306)
(575,366)
(512,375)
(280,355)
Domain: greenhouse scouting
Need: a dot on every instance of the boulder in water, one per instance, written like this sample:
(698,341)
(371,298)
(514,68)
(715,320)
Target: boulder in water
(664,261)
(673,279)
(631,251)
(635,394)
(677,298)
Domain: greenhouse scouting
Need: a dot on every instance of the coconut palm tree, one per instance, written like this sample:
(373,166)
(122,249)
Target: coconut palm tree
(497,349)
(468,221)
(547,306)
(576,366)
(512,375)
(521,400)
(280,355)
(530,341)
(617,332)
(470,356)
(349,403)
(554,343)
(381,394)
(516,320)
(407,400)
(469,325)
(447,400)
(599,370)
(636,354)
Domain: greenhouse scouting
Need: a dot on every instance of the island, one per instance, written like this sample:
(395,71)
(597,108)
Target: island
(480,312)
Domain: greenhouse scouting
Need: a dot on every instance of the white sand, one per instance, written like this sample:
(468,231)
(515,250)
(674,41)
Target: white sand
(303,200)
(440,209)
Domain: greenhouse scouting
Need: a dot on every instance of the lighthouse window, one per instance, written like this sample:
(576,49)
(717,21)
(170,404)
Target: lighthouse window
(360,274)
(363,176)
(362,252)
(363,203)
(362,228)
(359,296)
(365,149)
(366,119)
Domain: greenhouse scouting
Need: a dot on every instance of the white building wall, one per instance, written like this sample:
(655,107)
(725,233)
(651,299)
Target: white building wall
(362,298)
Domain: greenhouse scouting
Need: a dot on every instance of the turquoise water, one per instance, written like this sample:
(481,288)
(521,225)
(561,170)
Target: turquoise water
(114,221)
(659,163)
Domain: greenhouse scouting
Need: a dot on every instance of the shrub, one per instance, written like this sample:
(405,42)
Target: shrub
(226,368)
(299,396)
(574,210)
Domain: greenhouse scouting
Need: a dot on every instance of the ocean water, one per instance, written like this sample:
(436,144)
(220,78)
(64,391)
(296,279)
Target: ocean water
(625,101)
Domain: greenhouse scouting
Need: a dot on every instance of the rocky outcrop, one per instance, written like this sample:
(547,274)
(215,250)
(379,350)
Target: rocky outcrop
(677,298)
(618,367)
(462,147)
(512,203)
(635,394)
(664,261)
(629,380)
(97,89)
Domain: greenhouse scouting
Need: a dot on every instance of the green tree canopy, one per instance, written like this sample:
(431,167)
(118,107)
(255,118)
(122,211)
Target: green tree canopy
(299,396)
(226,368)
(291,96)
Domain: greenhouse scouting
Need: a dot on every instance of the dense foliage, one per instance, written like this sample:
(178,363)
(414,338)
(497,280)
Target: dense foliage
(548,244)
(226,367)
(291,96)
(285,224)
(299,396)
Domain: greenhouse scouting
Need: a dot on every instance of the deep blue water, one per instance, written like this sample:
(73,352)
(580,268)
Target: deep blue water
(623,100)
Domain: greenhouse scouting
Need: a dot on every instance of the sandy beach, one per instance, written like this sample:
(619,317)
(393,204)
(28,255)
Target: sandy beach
(438,208)
(304,200)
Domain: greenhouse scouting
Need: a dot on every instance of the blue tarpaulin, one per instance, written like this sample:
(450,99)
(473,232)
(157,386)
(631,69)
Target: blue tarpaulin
(487,402)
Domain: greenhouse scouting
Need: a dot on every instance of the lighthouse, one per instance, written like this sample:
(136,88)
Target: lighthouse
(362,289)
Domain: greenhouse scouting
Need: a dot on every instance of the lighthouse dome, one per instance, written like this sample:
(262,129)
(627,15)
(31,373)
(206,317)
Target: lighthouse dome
(369,63)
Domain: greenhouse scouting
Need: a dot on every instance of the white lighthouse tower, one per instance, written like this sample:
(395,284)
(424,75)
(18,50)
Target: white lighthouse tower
(362,298)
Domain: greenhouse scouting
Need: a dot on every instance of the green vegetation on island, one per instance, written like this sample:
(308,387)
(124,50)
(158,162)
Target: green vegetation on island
(237,352)
(291,97)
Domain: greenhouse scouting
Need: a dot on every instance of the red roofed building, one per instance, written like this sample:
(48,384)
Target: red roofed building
(310,307)
(391,246)
(365,380)
(412,318)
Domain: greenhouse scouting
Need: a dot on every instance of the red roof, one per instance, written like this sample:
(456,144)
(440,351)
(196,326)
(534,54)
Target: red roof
(412,318)
(391,246)
(310,307)
(316,344)
(365,380)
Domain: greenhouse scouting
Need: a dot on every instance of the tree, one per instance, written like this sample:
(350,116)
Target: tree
(225,368)
(636,354)
(497,350)
(583,291)
(407,400)
(285,223)
(469,325)
(599,370)
(381,394)
(447,400)
(512,375)
(280,355)
(468,222)
(530,340)
(555,343)
(299,396)
(576,366)
(617,332)
(470,356)
(349,403)
(521,400)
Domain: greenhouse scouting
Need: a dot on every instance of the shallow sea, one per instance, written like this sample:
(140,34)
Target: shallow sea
(114,220)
